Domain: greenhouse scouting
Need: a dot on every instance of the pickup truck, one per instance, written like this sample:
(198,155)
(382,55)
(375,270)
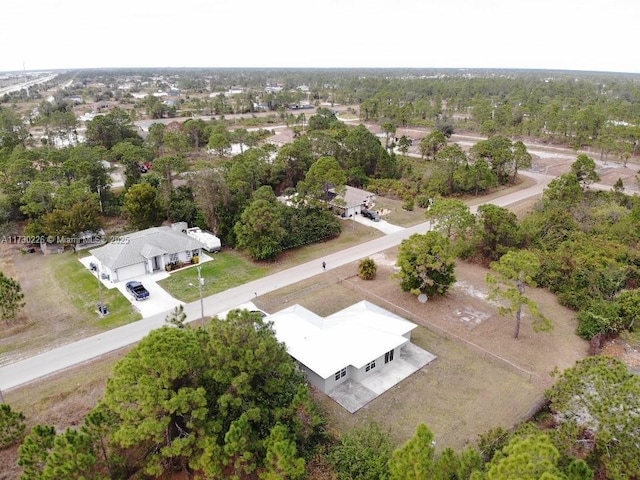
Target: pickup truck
(371,215)
(137,290)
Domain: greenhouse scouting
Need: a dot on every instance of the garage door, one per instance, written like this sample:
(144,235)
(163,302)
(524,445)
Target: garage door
(132,271)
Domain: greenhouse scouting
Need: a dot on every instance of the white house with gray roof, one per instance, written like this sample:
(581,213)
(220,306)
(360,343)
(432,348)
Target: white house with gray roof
(353,345)
(351,201)
(146,251)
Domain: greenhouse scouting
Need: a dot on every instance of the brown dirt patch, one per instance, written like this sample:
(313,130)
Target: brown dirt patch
(628,352)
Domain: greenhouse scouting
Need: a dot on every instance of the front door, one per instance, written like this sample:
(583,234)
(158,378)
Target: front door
(156,264)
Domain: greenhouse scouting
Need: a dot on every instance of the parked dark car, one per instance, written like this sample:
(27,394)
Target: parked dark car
(137,290)
(371,215)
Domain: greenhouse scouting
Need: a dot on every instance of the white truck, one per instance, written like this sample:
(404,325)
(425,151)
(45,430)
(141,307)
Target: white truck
(212,242)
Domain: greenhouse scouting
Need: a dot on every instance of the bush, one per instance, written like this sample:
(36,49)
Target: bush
(408,204)
(363,454)
(367,269)
(601,317)
(423,201)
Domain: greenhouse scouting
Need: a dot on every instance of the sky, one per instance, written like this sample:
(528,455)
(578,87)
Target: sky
(530,34)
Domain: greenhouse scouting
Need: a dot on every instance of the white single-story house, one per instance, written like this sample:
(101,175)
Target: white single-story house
(143,252)
(351,202)
(351,344)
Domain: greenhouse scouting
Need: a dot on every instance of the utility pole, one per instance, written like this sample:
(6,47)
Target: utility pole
(100,304)
(200,285)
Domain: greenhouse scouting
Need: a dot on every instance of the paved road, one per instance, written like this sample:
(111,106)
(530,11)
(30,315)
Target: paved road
(30,369)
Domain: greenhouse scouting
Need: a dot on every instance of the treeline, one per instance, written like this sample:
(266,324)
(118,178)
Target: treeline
(574,110)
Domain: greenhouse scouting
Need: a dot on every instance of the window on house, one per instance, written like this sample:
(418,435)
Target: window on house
(173,258)
(370,366)
(388,356)
(337,376)
(340,373)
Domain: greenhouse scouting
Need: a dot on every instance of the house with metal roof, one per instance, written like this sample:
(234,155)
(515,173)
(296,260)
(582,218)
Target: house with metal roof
(147,251)
(362,348)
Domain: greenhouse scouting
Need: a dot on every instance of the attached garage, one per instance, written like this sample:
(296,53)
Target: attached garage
(132,271)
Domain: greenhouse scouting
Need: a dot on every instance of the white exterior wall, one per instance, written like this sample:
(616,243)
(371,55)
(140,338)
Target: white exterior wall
(361,373)
(132,271)
(161,264)
(350,211)
(331,382)
(184,256)
(313,378)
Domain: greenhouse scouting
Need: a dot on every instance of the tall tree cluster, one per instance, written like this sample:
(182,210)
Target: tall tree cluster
(222,402)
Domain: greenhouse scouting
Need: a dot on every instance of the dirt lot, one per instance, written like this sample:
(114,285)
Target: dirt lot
(482,377)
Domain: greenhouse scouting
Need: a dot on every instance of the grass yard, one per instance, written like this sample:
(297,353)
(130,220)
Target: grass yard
(459,396)
(227,269)
(231,268)
(397,215)
(84,292)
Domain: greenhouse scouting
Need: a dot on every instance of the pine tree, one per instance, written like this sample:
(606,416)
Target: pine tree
(11,297)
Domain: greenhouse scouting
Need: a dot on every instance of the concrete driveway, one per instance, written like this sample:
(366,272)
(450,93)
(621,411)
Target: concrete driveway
(382,225)
(159,300)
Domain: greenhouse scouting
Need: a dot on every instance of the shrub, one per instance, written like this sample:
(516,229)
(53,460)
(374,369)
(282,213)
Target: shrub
(423,201)
(600,317)
(408,204)
(367,269)
(363,453)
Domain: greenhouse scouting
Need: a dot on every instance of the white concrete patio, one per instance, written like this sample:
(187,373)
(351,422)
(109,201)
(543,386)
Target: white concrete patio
(354,395)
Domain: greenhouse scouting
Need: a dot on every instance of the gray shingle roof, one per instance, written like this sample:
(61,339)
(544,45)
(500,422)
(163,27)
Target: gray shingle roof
(139,246)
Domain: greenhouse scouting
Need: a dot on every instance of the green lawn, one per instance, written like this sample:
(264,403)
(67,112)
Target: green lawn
(227,269)
(82,288)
